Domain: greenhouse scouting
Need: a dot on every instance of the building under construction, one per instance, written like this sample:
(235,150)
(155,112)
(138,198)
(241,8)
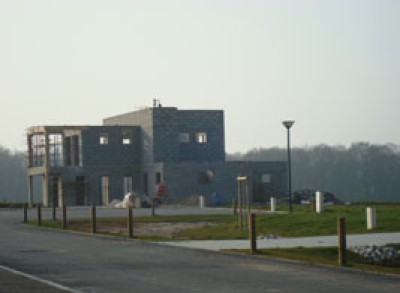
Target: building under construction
(133,152)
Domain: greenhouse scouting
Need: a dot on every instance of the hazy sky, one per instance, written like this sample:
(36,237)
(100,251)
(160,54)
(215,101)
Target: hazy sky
(333,66)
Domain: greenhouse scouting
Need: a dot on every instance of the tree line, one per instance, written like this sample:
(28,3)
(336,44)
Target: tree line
(361,172)
(13,180)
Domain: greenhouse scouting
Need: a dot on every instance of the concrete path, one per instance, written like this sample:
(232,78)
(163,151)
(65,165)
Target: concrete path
(352,240)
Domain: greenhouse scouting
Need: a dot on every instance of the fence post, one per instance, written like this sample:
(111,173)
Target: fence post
(130,224)
(53,212)
(153,207)
(234,206)
(64,216)
(25,213)
(39,215)
(252,233)
(93,219)
(342,241)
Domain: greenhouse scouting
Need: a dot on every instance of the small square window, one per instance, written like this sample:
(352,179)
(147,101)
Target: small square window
(201,137)
(266,178)
(126,137)
(103,138)
(184,137)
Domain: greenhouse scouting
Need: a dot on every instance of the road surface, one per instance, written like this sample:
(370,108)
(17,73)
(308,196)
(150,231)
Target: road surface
(99,264)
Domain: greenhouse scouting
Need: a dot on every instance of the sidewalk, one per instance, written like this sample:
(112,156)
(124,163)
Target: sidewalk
(352,240)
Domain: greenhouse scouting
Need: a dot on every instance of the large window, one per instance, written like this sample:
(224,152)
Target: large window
(38,150)
(56,152)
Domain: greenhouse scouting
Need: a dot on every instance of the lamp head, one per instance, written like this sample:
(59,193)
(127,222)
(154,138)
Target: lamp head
(288,123)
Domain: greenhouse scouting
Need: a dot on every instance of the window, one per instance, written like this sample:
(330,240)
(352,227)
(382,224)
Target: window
(104,138)
(184,137)
(127,184)
(56,151)
(104,189)
(266,178)
(38,150)
(205,177)
(126,137)
(158,177)
(201,137)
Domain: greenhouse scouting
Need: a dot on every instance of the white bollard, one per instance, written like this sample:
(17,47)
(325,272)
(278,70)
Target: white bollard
(138,202)
(273,204)
(202,202)
(371,218)
(319,202)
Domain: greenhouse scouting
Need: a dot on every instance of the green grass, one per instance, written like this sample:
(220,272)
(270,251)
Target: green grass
(324,256)
(302,222)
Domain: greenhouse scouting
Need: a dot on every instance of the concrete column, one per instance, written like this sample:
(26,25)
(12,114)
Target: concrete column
(45,190)
(273,204)
(319,202)
(371,218)
(60,192)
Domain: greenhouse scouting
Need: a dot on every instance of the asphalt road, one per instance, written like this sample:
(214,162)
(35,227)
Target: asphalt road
(98,264)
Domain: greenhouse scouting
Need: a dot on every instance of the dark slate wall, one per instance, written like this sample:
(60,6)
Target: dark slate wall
(184,179)
(210,122)
(114,153)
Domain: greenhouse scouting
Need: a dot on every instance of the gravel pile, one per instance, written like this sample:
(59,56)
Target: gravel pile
(385,255)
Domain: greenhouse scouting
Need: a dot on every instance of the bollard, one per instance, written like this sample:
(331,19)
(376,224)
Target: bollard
(25,213)
(130,224)
(39,215)
(252,233)
(93,219)
(341,226)
(201,202)
(273,204)
(371,218)
(319,202)
(64,217)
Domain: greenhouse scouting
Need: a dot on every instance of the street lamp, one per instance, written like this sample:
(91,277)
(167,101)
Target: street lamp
(288,124)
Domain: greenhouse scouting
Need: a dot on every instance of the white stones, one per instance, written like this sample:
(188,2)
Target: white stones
(376,254)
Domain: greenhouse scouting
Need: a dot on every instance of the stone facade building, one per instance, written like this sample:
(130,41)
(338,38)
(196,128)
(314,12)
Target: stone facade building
(183,149)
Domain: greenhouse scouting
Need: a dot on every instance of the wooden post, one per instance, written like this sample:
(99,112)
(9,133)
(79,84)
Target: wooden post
(342,241)
(93,219)
(25,213)
(130,224)
(64,216)
(39,215)
(53,212)
(252,233)
(153,207)
(234,206)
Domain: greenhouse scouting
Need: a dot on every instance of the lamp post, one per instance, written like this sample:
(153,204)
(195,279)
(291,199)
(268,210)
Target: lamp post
(288,124)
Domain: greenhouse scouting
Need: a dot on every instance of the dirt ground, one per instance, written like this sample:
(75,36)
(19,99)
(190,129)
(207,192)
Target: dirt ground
(164,229)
